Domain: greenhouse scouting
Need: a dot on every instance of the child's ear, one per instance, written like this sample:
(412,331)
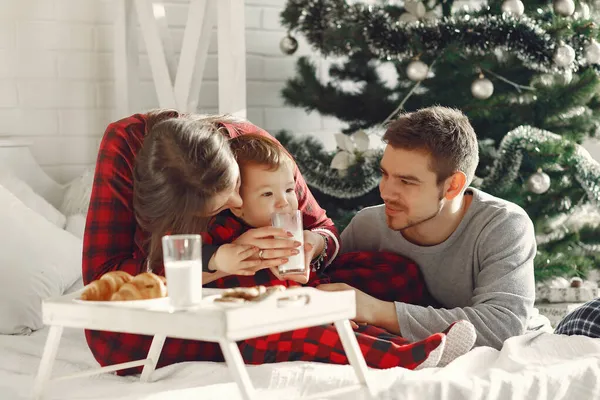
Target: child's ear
(237,211)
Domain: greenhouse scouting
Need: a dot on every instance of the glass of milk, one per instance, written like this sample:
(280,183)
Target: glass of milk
(182,255)
(291,222)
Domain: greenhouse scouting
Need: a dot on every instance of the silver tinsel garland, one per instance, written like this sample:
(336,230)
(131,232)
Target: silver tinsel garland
(338,28)
(526,138)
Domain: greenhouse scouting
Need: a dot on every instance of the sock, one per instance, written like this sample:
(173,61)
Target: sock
(435,355)
(460,338)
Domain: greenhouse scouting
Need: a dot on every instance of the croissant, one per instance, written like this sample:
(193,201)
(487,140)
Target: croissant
(144,286)
(102,289)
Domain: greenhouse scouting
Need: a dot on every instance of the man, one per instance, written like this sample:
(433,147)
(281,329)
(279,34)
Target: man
(476,251)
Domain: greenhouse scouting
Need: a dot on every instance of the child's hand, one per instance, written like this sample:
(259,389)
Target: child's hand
(235,259)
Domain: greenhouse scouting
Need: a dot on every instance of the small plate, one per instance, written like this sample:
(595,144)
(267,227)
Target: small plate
(225,304)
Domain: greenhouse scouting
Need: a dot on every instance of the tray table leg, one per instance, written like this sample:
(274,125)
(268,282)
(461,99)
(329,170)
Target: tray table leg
(153,355)
(234,360)
(353,353)
(48,356)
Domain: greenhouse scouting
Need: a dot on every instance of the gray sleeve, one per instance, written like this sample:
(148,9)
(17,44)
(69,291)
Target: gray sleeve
(360,234)
(504,290)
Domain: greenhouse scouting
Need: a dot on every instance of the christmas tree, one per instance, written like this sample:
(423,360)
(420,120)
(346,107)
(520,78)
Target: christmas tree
(525,73)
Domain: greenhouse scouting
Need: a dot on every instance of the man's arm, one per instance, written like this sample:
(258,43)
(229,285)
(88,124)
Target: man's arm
(504,290)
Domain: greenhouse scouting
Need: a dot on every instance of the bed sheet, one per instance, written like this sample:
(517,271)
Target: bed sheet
(533,366)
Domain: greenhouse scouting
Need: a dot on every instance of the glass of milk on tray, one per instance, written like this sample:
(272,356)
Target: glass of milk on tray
(291,222)
(182,255)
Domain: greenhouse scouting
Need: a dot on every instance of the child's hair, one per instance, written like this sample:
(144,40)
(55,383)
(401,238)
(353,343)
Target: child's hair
(259,150)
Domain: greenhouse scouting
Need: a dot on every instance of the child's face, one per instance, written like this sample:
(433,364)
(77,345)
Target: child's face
(265,192)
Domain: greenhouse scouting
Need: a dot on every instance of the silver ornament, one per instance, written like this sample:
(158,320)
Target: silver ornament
(482,88)
(513,7)
(417,70)
(564,7)
(564,56)
(539,182)
(592,52)
(288,45)
(582,11)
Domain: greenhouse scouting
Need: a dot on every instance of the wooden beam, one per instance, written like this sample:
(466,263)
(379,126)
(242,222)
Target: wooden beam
(232,57)
(126,60)
(156,54)
(196,40)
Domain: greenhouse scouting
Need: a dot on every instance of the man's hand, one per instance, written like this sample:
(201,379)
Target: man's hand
(369,310)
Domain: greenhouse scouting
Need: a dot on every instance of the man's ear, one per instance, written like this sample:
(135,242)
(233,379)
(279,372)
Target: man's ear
(454,185)
(237,211)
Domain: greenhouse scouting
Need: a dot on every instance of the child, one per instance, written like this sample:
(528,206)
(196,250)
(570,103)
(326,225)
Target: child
(267,186)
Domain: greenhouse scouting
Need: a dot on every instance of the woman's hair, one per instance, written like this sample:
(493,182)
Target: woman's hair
(254,149)
(184,162)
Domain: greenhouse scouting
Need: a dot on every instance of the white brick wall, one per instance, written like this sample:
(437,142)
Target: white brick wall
(56,76)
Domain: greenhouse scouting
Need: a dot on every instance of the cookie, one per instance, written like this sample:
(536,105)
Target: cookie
(229,300)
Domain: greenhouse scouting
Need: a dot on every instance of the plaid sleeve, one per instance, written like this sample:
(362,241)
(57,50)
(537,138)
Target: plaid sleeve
(109,238)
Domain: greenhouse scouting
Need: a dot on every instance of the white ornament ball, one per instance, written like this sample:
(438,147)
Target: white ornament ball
(417,71)
(582,10)
(564,56)
(592,52)
(482,88)
(564,7)
(539,182)
(513,7)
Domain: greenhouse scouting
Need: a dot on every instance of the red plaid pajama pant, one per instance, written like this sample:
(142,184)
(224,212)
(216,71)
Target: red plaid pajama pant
(383,275)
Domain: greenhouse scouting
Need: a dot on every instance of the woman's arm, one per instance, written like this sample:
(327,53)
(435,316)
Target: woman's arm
(316,220)
(109,237)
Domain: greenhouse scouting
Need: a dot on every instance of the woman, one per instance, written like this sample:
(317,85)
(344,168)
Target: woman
(165,172)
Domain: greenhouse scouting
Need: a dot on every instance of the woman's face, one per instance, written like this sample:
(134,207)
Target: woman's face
(228,198)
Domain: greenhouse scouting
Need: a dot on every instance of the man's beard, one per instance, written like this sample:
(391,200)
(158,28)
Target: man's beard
(421,220)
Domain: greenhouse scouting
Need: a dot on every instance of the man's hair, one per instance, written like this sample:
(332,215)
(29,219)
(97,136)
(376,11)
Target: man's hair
(254,149)
(444,133)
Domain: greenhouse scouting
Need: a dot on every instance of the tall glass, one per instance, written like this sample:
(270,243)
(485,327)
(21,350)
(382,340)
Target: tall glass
(291,222)
(182,255)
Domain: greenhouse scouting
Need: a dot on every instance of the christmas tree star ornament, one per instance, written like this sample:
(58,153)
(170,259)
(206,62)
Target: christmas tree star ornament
(539,182)
(417,70)
(288,44)
(516,8)
(482,88)
(564,8)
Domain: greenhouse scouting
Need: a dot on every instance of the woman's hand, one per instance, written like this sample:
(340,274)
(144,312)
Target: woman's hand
(274,246)
(313,245)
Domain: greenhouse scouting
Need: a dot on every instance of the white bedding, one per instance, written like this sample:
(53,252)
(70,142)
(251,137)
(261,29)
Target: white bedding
(534,366)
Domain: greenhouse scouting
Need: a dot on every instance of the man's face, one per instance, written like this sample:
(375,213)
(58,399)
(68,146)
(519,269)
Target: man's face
(409,188)
(265,192)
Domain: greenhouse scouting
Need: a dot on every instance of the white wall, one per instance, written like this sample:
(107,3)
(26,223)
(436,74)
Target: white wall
(56,77)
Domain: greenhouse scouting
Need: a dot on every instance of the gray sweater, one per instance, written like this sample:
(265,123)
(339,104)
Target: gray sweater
(482,273)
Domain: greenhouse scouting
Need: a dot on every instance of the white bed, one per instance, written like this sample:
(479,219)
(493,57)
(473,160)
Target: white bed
(534,366)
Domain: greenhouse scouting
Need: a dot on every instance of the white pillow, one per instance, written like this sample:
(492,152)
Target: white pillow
(77,195)
(38,260)
(76,225)
(31,199)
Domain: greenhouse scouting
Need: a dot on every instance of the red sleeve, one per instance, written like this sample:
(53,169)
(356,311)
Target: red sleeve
(109,241)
